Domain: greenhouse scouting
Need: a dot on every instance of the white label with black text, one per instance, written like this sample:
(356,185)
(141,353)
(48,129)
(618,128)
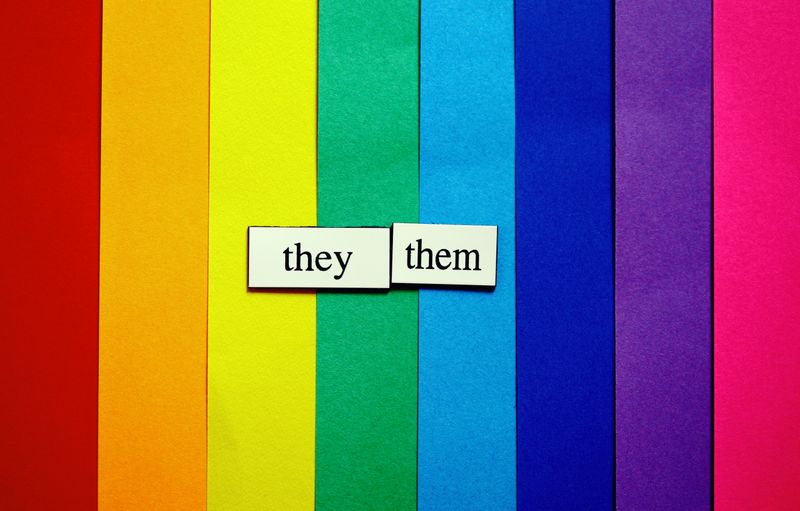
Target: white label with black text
(447,255)
(318,257)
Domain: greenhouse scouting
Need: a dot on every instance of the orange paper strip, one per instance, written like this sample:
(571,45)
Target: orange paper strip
(153,255)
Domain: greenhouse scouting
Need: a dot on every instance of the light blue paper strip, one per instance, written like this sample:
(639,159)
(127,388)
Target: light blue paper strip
(467,420)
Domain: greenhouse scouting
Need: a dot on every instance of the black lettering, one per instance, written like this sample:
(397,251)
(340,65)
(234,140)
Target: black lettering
(300,254)
(323,256)
(466,253)
(286,254)
(409,252)
(421,251)
(442,254)
(342,263)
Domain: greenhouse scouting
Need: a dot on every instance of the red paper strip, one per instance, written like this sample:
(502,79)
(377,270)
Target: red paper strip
(757,254)
(49,159)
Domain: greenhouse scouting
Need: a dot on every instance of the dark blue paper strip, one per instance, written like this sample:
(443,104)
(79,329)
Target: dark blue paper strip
(565,295)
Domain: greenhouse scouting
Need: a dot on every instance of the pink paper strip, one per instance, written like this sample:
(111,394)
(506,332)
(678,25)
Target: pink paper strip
(757,254)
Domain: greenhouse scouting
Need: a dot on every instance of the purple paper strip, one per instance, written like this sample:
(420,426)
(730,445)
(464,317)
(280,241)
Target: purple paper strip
(663,260)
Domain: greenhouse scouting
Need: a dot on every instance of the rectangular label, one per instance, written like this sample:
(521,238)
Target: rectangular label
(448,255)
(318,257)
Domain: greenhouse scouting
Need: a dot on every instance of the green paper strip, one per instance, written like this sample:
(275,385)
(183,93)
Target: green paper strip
(367,175)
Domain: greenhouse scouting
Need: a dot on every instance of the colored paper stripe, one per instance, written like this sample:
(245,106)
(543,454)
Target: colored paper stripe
(367,175)
(262,172)
(50,138)
(467,374)
(153,253)
(565,326)
(663,243)
(756,255)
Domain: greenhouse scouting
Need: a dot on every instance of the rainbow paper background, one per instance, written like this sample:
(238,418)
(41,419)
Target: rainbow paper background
(640,350)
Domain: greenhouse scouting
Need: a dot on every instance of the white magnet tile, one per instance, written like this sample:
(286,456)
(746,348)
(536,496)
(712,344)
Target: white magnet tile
(318,257)
(447,255)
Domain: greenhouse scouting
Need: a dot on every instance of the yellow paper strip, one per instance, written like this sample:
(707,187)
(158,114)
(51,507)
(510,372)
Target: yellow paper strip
(261,345)
(153,255)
